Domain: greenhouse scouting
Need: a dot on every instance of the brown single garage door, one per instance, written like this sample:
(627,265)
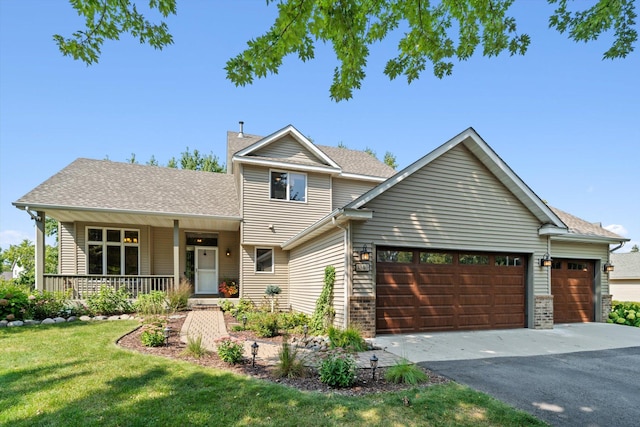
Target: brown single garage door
(572,290)
(424,290)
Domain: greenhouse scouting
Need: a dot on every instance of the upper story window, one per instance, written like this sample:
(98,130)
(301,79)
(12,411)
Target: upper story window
(113,251)
(288,186)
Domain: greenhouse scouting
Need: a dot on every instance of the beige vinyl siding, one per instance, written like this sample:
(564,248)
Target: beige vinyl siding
(625,290)
(253,284)
(345,191)
(68,259)
(453,203)
(595,252)
(287,217)
(307,265)
(229,265)
(162,250)
(289,149)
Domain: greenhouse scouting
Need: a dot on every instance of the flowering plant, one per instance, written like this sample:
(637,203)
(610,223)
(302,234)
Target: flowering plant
(228,287)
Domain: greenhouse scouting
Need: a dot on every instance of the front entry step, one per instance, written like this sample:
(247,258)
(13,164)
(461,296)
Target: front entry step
(204,303)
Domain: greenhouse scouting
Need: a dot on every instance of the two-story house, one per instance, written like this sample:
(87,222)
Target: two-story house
(454,241)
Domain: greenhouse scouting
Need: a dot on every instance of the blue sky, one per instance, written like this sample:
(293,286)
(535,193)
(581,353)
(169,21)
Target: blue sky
(564,120)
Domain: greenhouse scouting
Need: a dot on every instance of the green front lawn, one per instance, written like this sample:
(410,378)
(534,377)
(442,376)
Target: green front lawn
(74,375)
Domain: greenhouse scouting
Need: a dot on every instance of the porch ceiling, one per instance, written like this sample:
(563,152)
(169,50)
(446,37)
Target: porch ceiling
(199,222)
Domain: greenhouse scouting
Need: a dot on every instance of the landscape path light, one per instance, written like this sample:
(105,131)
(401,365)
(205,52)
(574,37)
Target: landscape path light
(167,334)
(374,365)
(254,352)
(244,321)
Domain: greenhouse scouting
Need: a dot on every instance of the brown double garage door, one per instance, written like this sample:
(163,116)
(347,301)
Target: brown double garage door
(418,291)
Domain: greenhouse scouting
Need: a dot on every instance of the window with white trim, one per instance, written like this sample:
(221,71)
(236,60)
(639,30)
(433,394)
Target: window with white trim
(288,186)
(264,260)
(113,251)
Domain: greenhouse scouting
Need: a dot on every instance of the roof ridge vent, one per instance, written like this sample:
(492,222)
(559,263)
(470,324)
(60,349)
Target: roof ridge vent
(241,133)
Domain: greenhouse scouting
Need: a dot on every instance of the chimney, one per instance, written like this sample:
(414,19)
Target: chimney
(241,134)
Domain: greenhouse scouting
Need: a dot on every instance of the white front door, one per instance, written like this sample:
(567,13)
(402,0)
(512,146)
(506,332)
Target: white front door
(206,270)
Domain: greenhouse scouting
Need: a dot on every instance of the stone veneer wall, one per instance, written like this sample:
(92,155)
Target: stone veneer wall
(543,312)
(606,307)
(362,313)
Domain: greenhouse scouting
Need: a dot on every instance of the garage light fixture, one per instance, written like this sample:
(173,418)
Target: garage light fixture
(546,260)
(608,267)
(365,254)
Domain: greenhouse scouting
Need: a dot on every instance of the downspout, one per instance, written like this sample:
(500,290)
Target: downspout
(346,276)
(617,247)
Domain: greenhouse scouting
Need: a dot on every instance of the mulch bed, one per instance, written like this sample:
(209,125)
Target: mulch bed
(364,383)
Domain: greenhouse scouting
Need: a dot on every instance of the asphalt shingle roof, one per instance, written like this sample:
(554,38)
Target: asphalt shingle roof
(581,227)
(626,266)
(107,185)
(351,161)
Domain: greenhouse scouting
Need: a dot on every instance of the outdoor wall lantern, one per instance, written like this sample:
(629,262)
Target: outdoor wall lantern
(254,353)
(365,254)
(546,260)
(228,252)
(608,267)
(167,334)
(374,364)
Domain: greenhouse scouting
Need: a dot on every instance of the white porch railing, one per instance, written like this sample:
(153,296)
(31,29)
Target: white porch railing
(82,286)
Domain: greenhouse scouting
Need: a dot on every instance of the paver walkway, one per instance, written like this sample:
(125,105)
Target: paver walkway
(210,325)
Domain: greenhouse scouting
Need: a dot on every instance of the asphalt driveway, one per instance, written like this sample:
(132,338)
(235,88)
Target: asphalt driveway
(574,375)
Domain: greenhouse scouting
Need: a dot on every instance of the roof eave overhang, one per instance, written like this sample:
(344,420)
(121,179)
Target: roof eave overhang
(552,230)
(585,238)
(334,219)
(285,165)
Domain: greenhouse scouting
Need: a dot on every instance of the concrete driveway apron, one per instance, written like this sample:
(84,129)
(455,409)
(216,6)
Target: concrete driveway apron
(585,374)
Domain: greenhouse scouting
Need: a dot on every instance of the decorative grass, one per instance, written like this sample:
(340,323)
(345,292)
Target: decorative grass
(73,374)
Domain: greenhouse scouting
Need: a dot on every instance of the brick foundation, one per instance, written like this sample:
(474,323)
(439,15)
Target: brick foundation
(362,313)
(606,307)
(543,312)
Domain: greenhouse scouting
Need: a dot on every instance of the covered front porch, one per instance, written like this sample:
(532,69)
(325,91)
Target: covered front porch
(139,253)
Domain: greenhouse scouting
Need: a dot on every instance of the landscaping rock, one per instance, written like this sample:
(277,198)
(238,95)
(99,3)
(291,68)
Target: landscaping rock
(15,323)
(85,318)
(177,316)
(60,320)
(72,319)
(31,322)
(125,317)
(3,323)
(48,321)
(114,318)
(100,318)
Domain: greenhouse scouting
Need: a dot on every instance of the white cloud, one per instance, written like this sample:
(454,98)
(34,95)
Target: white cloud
(12,237)
(617,228)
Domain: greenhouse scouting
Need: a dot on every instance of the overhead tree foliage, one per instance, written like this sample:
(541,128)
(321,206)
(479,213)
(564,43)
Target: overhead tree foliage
(435,34)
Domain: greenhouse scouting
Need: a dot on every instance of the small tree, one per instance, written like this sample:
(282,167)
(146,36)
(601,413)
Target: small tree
(273,291)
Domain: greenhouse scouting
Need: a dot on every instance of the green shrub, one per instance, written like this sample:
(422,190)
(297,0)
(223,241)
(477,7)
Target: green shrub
(152,338)
(289,363)
(47,304)
(151,303)
(178,299)
(405,372)
(195,348)
(230,350)
(227,305)
(348,339)
(243,306)
(108,301)
(266,325)
(625,313)
(338,369)
(14,301)
(293,321)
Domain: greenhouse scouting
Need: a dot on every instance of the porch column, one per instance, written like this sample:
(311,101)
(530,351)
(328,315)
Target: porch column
(39,250)
(176,253)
